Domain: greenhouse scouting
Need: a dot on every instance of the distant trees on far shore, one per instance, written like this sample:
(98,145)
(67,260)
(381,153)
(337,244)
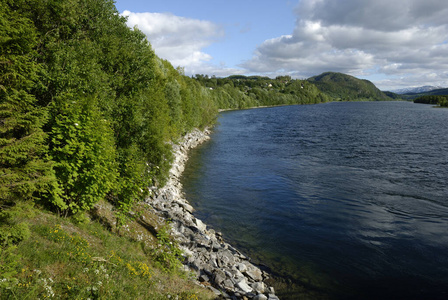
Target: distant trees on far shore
(441,100)
(239,91)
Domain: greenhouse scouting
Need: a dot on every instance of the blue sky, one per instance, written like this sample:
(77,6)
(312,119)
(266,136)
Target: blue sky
(394,44)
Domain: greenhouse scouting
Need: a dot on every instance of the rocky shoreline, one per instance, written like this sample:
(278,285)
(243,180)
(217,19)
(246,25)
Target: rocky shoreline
(218,266)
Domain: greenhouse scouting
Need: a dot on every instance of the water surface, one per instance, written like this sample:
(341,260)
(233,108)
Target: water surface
(342,200)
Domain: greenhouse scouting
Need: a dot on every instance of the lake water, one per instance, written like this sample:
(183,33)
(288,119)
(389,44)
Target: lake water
(343,200)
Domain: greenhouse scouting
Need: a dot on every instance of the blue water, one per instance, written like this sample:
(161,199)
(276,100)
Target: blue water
(340,200)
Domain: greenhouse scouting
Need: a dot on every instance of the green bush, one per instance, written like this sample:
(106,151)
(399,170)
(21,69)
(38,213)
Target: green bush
(9,262)
(13,234)
(82,147)
(12,229)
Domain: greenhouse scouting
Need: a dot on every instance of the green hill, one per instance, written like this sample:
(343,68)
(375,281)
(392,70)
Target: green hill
(347,88)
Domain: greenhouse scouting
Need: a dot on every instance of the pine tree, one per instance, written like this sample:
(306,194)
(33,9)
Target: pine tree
(24,171)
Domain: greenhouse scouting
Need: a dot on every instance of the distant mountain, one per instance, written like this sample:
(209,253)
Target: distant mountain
(437,92)
(345,87)
(417,90)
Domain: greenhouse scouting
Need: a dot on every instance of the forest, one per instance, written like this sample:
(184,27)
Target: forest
(433,99)
(86,108)
(88,113)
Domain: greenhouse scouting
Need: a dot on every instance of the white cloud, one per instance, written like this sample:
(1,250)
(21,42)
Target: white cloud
(404,39)
(180,40)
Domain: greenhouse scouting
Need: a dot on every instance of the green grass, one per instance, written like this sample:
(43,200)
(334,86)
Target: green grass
(65,260)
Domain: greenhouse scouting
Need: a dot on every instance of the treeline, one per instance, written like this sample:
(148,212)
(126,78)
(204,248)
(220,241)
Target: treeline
(87,109)
(433,99)
(238,91)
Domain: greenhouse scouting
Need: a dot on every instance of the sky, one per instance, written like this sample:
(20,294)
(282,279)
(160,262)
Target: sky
(393,43)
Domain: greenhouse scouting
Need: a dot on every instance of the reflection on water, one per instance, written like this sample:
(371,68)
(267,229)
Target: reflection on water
(342,200)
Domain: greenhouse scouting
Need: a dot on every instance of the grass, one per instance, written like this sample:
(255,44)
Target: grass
(63,259)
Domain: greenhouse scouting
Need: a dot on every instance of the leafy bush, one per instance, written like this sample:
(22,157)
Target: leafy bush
(82,147)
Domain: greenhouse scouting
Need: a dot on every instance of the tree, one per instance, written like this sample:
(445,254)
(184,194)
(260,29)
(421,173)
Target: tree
(25,170)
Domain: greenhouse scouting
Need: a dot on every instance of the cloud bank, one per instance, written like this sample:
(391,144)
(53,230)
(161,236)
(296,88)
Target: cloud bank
(404,39)
(179,40)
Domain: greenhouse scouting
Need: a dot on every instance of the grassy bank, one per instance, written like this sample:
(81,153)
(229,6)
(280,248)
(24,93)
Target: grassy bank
(89,258)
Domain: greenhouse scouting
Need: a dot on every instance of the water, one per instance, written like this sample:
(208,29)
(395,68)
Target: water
(340,200)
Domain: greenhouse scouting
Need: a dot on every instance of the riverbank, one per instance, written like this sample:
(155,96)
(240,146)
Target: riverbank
(218,266)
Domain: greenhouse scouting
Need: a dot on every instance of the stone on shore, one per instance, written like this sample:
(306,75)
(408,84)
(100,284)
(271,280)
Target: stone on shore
(242,285)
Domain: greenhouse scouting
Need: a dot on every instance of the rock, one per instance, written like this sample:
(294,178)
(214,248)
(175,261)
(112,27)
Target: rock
(227,258)
(187,207)
(228,284)
(259,287)
(241,267)
(260,297)
(265,275)
(218,276)
(207,270)
(186,252)
(196,265)
(204,278)
(235,274)
(254,273)
(215,291)
(201,226)
(242,285)
(216,246)
(273,297)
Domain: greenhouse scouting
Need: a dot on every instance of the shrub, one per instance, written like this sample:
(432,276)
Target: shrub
(82,147)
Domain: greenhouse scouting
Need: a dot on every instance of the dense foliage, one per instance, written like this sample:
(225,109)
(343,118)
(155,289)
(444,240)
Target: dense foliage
(87,112)
(24,166)
(238,91)
(433,99)
(347,88)
(87,109)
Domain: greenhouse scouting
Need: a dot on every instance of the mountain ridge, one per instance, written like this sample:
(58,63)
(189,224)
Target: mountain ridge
(417,90)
